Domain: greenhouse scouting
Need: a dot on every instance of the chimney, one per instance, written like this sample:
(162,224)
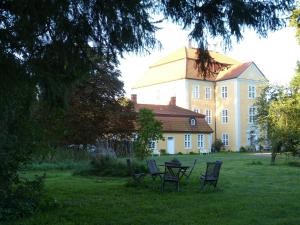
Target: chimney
(173,101)
(134,98)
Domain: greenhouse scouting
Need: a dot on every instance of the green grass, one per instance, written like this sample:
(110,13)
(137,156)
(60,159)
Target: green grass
(250,191)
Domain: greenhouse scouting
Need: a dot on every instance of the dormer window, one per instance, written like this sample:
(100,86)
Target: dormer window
(193,121)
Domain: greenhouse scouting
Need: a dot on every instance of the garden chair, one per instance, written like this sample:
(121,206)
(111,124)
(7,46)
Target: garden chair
(171,174)
(188,173)
(137,177)
(153,169)
(211,175)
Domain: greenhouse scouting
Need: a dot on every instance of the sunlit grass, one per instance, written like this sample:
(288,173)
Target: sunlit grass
(250,191)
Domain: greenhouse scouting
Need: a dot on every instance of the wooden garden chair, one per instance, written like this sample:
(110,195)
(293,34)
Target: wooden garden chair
(211,175)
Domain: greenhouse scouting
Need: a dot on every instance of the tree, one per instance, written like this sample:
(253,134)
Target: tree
(148,129)
(278,116)
(47,48)
(97,110)
(295,21)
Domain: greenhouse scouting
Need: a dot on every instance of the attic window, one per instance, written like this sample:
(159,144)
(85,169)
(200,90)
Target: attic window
(193,121)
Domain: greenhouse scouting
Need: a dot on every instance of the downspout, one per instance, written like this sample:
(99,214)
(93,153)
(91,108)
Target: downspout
(215,94)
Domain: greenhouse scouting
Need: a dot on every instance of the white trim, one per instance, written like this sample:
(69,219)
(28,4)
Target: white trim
(226,116)
(209,93)
(197,110)
(200,140)
(225,92)
(206,117)
(254,113)
(237,113)
(188,141)
(252,86)
(225,134)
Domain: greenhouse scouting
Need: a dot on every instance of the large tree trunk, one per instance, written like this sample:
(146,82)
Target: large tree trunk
(273,157)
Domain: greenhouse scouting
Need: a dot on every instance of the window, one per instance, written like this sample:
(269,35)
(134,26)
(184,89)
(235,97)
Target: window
(224,92)
(196,110)
(251,92)
(208,116)
(224,116)
(251,114)
(200,141)
(225,139)
(193,122)
(152,145)
(187,141)
(196,92)
(207,93)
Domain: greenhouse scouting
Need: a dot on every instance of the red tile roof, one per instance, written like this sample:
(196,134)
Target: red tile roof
(177,119)
(234,71)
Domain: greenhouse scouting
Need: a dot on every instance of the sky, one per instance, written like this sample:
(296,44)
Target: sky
(276,55)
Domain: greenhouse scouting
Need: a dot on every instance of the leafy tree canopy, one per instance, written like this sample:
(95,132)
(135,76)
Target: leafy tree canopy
(148,129)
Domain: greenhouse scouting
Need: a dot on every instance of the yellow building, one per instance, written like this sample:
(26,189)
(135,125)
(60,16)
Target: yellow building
(226,100)
(183,130)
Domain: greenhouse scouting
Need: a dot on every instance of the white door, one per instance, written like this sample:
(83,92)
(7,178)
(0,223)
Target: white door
(170,145)
(209,143)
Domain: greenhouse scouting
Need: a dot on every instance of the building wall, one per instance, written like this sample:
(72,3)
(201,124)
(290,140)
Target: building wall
(237,102)
(201,103)
(162,93)
(252,77)
(179,143)
(229,104)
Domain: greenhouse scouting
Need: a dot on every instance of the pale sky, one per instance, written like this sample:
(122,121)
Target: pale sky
(276,56)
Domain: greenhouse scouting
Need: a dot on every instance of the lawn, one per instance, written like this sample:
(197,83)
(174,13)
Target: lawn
(250,191)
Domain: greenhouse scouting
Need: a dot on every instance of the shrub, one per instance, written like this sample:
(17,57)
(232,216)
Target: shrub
(179,153)
(108,166)
(242,149)
(163,151)
(296,164)
(217,145)
(193,153)
(24,199)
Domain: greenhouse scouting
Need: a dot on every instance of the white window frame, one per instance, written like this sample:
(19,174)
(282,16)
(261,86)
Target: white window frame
(196,91)
(208,116)
(207,93)
(200,141)
(187,141)
(251,92)
(196,110)
(224,92)
(193,122)
(153,145)
(225,139)
(224,116)
(251,114)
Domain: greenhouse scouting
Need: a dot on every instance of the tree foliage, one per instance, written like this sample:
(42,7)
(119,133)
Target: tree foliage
(278,116)
(295,21)
(48,49)
(148,129)
(97,109)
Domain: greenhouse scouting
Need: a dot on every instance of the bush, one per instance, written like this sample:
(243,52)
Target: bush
(242,149)
(24,199)
(247,148)
(217,146)
(179,153)
(163,151)
(193,153)
(108,166)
